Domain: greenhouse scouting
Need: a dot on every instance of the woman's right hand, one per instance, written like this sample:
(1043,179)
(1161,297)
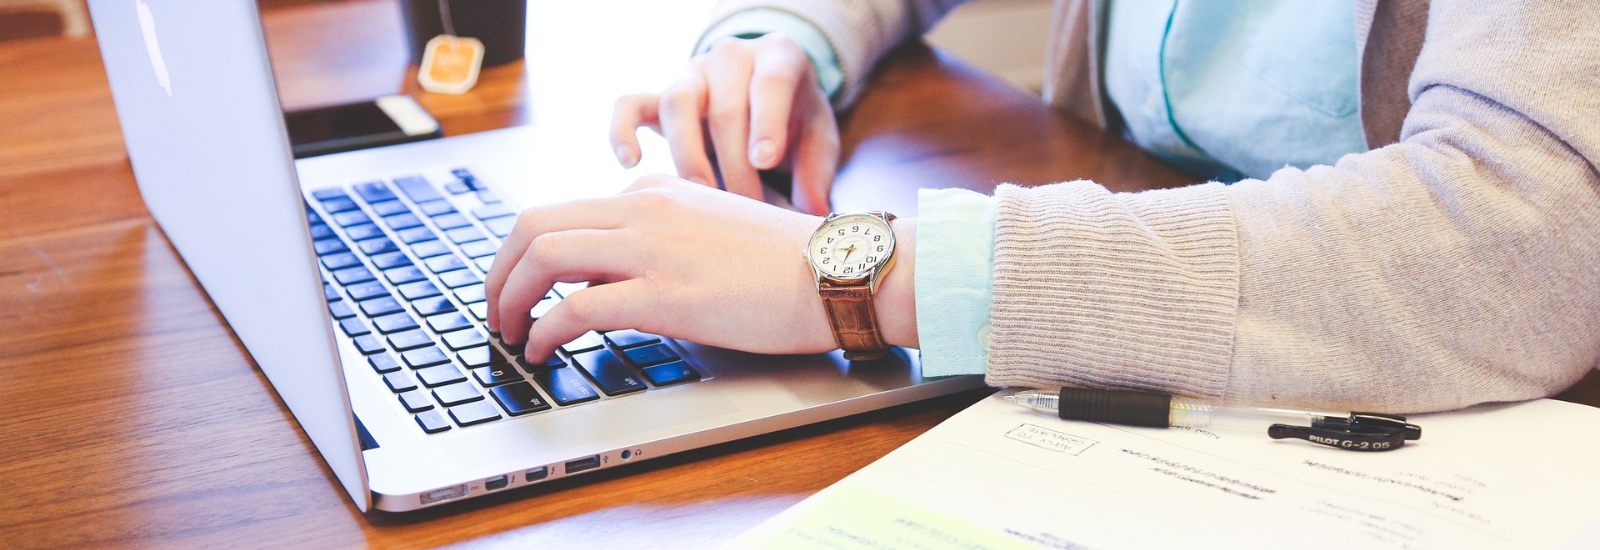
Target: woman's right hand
(759,104)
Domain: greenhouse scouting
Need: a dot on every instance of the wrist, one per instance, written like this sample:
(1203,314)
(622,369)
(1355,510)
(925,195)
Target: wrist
(895,301)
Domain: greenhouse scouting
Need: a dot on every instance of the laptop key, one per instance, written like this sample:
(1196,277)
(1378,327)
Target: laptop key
(419,290)
(376,246)
(340,261)
(383,363)
(428,307)
(389,208)
(335,206)
(368,344)
(474,413)
(470,294)
(650,355)
(325,246)
(447,323)
(425,357)
(588,341)
(484,263)
(494,375)
(417,234)
(367,291)
(329,293)
(404,274)
(442,375)
(451,221)
(374,192)
(341,310)
(667,374)
(609,372)
(415,401)
(457,188)
(534,368)
(391,260)
(501,227)
(519,398)
(429,249)
(353,275)
(435,208)
(459,278)
(542,308)
(479,249)
(482,356)
(464,235)
(347,219)
(399,222)
(457,394)
(381,306)
(399,381)
(432,422)
(565,386)
(408,340)
(363,232)
(463,339)
(417,189)
(480,311)
(487,197)
(442,264)
(353,327)
(394,322)
(630,338)
(491,211)
(320,231)
(330,193)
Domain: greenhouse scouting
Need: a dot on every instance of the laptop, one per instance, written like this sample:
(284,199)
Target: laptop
(355,282)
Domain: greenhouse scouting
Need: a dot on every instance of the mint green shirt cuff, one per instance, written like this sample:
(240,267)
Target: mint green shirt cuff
(756,22)
(954,280)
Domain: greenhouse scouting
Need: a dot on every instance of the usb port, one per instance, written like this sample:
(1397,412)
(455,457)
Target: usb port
(582,464)
(537,474)
(496,483)
(446,493)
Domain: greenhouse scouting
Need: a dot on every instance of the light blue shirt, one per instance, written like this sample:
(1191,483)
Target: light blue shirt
(1224,89)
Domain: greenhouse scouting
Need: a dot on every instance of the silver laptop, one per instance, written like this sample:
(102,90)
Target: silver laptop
(354,280)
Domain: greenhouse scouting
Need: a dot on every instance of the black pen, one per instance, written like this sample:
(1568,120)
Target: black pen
(1356,431)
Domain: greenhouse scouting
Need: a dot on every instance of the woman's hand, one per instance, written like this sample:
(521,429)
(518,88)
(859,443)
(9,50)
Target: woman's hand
(759,103)
(673,258)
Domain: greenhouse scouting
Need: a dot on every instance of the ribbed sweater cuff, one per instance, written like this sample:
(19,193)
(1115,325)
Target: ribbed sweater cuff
(841,26)
(1096,289)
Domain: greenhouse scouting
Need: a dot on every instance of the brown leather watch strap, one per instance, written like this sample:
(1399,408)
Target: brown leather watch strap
(854,321)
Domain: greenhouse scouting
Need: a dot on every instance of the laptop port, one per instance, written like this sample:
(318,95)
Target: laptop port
(446,493)
(496,483)
(537,474)
(582,464)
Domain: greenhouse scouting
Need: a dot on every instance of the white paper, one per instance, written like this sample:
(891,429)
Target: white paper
(1520,476)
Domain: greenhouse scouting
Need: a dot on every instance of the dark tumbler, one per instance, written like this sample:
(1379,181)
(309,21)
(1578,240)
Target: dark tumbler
(500,24)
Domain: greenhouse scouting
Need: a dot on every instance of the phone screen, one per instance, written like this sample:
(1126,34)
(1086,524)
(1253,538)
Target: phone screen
(384,121)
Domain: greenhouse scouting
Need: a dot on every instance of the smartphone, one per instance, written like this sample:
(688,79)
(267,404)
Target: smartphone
(383,121)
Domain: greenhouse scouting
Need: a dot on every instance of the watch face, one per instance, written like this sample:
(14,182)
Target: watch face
(851,246)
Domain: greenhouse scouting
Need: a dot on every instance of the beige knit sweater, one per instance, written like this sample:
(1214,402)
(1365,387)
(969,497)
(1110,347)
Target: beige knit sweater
(1455,263)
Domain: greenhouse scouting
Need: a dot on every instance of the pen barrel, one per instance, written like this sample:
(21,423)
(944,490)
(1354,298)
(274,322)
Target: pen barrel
(1134,408)
(1200,414)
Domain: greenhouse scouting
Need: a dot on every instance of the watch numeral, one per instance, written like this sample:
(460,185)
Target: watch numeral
(855,229)
(826,260)
(872,259)
(849,269)
(876,238)
(841,232)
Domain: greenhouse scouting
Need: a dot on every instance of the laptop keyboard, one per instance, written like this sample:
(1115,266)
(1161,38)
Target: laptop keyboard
(403,264)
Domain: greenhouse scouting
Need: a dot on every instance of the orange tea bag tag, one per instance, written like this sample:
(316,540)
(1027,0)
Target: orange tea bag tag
(450,64)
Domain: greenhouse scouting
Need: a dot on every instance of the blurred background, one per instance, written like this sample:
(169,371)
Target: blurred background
(1006,37)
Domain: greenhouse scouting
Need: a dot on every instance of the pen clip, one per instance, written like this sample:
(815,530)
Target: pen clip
(1368,422)
(1367,439)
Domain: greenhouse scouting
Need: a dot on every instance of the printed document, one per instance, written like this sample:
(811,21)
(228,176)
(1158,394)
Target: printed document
(1511,476)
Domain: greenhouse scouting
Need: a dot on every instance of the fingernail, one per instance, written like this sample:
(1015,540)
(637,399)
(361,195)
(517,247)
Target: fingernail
(765,154)
(625,156)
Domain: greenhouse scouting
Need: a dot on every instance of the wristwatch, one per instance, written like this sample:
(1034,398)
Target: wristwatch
(849,254)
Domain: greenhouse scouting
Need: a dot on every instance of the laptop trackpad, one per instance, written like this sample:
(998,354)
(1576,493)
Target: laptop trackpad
(574,431)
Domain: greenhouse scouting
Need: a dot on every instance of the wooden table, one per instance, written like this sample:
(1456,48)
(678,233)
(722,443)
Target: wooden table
(132,416)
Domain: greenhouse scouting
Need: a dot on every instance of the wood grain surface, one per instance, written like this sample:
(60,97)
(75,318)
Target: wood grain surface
(133,417)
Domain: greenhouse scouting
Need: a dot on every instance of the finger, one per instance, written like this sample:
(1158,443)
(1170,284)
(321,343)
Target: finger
(728,119)
(631,112)
(816,161)
(595,213)
(774,79)
(565,256)
(681,110)
(613,306)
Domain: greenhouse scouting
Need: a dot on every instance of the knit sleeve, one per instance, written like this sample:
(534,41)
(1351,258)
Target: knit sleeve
(1458,266)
